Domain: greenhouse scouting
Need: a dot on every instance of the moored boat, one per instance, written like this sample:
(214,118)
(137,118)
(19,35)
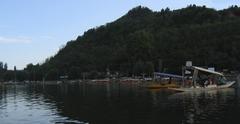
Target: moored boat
(210,87)
(203,80)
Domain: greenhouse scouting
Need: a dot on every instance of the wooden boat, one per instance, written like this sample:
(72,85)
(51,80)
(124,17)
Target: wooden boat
(213,80)
(207,88)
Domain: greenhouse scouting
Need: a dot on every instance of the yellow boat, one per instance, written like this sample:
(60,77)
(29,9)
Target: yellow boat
(167,81)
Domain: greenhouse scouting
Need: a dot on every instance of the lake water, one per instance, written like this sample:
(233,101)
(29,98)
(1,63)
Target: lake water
(115,104)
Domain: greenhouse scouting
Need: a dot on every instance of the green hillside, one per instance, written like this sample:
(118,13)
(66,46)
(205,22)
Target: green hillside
(134,44)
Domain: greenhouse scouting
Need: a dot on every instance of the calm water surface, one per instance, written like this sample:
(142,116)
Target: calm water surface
(115,104)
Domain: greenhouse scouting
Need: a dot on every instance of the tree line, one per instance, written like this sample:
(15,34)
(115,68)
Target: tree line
(11,75)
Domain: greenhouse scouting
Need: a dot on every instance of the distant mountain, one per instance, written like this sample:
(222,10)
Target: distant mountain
(136,42)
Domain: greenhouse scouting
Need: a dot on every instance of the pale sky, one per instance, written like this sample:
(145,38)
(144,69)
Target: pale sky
(32,30)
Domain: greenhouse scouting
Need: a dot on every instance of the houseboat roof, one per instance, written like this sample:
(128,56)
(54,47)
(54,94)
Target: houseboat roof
(168,75)
(207,70)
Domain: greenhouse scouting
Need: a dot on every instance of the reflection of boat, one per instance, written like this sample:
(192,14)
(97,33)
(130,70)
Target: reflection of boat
(204,79)
(206,104)
(199,93)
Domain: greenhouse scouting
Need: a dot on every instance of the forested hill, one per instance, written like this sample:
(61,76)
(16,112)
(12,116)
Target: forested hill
(134,43)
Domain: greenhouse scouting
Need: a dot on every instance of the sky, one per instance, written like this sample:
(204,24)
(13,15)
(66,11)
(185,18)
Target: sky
(33,30)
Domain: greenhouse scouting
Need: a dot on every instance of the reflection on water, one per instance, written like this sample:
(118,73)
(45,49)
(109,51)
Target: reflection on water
(115,104)
(216,106)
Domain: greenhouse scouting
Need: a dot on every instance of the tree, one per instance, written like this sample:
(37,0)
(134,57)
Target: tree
(138,68)
(5,67)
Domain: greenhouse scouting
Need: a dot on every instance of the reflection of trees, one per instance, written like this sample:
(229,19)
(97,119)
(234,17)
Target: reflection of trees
(112,103)
(128,103)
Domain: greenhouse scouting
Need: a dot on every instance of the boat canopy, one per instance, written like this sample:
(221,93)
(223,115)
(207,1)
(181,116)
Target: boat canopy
(207,70)
(168,75)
